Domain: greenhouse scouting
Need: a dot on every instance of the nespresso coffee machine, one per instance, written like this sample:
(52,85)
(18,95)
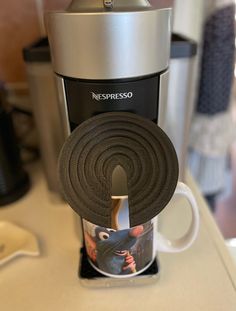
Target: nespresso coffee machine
(110,56)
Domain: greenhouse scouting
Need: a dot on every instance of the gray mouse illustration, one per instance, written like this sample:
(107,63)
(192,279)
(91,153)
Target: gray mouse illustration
(113,249)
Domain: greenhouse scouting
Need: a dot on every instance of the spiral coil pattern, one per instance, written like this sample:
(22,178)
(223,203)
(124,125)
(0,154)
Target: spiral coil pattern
(97,146)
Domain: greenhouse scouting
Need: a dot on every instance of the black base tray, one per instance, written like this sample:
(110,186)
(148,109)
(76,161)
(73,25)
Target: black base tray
(88,273)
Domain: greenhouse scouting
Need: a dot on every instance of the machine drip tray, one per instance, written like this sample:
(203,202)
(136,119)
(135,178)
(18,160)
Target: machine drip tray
(89,277)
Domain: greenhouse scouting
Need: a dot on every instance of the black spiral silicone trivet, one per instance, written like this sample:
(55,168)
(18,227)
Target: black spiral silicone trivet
(97,146)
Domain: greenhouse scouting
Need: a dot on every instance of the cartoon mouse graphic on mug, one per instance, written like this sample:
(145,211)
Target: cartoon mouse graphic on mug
(110,249)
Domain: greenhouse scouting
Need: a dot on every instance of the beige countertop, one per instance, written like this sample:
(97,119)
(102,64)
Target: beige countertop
(202,278)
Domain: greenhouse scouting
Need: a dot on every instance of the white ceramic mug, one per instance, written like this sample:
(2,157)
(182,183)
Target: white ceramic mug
(123,252)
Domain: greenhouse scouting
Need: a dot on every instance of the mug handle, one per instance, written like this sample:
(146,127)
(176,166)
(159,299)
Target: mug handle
(175,246)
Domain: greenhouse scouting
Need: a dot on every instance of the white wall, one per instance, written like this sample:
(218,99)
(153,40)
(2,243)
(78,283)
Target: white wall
(188,18)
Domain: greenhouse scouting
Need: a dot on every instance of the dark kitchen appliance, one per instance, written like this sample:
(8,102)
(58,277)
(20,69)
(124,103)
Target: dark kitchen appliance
(14,181)
(110,56)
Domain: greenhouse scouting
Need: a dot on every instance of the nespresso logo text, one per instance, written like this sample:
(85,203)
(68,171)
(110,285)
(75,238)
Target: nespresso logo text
(115,96)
